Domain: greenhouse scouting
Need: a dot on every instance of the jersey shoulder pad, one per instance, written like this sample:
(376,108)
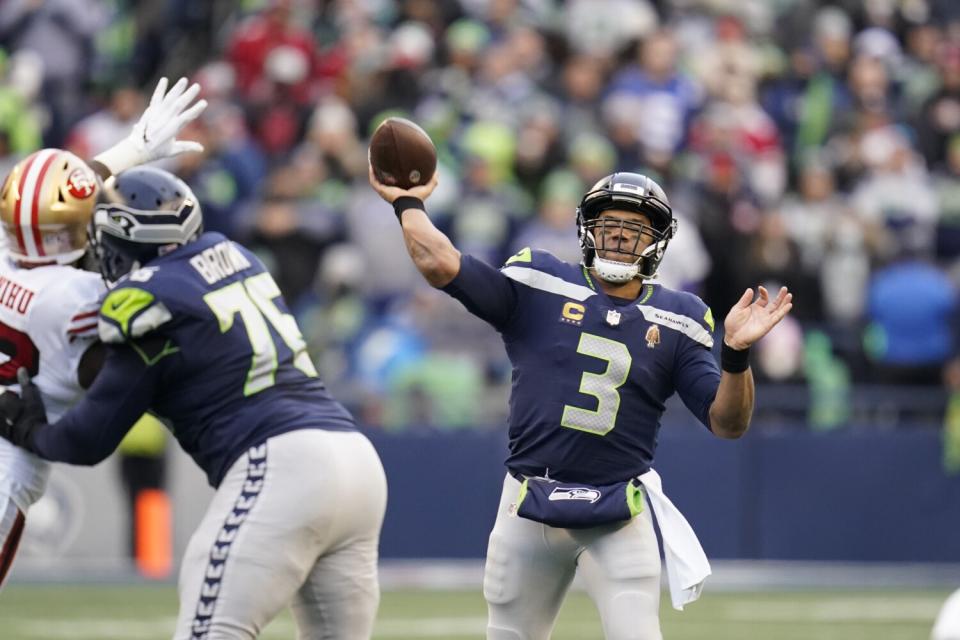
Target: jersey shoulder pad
(131,311)
(682,311)
(68,305)
(543,271)
(697,308)
(534,258)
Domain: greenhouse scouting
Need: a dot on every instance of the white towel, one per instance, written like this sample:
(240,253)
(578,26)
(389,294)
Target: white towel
(687,564)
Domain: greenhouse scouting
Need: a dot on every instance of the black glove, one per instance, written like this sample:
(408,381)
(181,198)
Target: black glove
(21,415)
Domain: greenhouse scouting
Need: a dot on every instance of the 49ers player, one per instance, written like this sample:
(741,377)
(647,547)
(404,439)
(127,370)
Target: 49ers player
(48,304)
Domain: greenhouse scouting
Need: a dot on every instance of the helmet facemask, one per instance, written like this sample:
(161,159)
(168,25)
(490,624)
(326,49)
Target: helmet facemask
(639,246)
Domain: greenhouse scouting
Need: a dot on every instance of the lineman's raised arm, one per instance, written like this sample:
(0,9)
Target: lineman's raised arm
(155,135)
(431,251)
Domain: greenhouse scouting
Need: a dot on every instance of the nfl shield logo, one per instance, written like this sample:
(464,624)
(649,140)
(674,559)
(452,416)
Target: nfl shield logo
(613,317)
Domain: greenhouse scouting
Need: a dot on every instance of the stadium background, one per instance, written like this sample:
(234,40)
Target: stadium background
(804,143)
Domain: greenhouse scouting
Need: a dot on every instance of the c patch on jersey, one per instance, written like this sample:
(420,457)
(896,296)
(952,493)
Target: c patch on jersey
(573,313)
(130,312)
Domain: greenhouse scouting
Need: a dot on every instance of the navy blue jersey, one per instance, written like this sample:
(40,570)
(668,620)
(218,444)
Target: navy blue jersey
(591,373)
(203,339)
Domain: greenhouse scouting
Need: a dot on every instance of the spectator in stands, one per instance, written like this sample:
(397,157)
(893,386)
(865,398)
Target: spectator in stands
(896,193)
(61,33)
(946,183)
(107,126)
(911,313)
(19,123)
(550,230)
(669,96)
(940,115)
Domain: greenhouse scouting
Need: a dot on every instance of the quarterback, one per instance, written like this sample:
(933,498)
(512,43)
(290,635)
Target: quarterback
(48,304)
(597,348)
(198,333)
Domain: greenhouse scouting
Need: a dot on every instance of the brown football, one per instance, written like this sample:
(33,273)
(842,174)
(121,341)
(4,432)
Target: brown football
(402,154)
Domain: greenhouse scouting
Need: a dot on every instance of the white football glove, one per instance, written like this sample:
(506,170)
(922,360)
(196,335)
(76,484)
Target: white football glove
(155,134)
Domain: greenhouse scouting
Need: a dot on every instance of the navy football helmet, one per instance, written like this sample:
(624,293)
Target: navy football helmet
(628,192)
(143,212)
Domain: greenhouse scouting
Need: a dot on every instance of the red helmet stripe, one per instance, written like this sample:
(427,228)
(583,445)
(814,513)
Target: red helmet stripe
(16,211)
(35,213)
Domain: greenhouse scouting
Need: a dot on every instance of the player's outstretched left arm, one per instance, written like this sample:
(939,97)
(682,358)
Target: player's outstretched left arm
(431,251)
(747,322)
(91,430)
(155,135)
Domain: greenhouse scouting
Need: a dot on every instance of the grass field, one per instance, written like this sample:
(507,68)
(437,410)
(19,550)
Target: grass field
(140,612)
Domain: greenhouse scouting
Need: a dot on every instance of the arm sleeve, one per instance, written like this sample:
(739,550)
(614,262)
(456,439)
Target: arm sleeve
(484,291)
(93,429)
(696,379)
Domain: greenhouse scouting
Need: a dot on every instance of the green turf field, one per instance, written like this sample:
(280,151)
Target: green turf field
(139,612)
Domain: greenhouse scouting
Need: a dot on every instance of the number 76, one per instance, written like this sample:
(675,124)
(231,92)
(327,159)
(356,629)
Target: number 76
(253,300)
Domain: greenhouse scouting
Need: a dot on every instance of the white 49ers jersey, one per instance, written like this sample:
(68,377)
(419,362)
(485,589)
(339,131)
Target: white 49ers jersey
(48,319)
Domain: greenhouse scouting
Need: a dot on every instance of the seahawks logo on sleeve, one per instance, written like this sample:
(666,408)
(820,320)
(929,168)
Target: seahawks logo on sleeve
(130,312)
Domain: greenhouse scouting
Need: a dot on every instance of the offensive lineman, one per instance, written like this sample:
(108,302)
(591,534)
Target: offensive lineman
(596,351)
(198,332)
(48,304)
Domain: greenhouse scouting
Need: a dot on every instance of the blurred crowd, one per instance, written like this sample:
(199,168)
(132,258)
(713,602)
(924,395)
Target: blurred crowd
(811,144)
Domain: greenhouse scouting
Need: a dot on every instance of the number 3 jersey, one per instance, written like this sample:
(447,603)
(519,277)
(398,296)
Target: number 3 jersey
(591,373)
(48,319)
(202,338)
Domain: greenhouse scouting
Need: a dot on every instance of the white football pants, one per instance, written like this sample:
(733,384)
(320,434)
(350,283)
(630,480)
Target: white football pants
(23,479)
(296,521)
(530,566)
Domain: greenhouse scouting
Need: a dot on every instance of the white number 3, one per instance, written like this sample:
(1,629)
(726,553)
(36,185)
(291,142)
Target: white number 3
(602,386)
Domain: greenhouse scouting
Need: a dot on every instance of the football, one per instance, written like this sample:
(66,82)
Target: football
(402,154)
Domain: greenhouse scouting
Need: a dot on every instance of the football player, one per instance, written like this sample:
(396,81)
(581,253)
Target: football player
(48,305)
(597,348)
(197,332)
(947,625)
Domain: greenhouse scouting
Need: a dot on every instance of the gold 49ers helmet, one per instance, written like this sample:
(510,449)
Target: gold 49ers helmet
(45,206)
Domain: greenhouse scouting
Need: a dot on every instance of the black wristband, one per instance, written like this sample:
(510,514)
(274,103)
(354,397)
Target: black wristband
(734,360)
(403,203)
